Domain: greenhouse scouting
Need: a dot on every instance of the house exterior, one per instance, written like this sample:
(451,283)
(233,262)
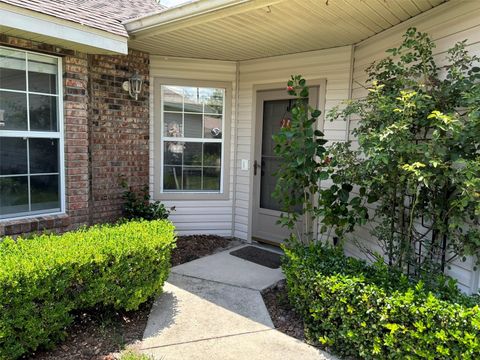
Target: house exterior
(199,134)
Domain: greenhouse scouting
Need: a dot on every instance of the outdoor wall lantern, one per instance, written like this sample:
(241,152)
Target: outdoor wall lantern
(134,85)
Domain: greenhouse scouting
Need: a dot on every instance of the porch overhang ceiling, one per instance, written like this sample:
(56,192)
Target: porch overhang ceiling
(249,29)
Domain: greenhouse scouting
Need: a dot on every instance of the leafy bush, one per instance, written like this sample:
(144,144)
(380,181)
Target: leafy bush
(299,173)
(138,206)
(45,278)
(417,157)
(372,312)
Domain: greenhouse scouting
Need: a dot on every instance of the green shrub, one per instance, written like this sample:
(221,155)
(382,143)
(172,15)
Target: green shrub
(369,312)
(45,278)
(138,205)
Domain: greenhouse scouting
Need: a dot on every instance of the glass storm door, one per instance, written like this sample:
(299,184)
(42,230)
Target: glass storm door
(272,108)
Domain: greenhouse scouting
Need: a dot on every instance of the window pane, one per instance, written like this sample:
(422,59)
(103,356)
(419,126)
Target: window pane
(212,126)
(213,99)
(45,192)
(13,156)
(193,102)
(172,124)
(43,156)
(43,113)
(172,178)
(12,70)
(192,155)
(13,111)
(193,125)
(192,166)
(173,153)
(211,179)
(192,179)
(13,195)
(42,77)
(212,153)
(172,98)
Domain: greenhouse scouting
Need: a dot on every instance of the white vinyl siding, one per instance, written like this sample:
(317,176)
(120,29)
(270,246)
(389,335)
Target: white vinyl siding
(198,216)
(447,25)
(333,65)
(343,70)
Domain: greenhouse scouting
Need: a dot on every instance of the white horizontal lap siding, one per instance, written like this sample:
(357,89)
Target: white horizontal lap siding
(332,65)
(446,24)
(197,216)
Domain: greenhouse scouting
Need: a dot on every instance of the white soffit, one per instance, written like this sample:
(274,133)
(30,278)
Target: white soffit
(250,29)
(26,24)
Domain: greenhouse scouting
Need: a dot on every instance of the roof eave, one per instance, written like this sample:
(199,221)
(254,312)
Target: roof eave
(59,30)
(186,13)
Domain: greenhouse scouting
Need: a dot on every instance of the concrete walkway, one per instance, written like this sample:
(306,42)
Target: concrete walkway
(211,308)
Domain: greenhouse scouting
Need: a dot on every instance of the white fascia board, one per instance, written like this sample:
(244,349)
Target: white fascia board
(50,26)
(192,10)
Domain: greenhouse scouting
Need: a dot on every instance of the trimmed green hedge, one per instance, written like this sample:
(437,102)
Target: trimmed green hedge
(369,312)
(44,278)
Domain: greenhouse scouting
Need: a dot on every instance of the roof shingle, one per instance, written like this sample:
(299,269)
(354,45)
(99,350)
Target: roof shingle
(105,15)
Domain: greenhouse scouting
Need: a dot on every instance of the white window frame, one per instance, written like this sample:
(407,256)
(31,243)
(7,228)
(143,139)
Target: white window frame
(59,134)
(159,139)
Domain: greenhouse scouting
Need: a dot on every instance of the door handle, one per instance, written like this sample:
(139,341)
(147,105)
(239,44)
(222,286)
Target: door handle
(256,166)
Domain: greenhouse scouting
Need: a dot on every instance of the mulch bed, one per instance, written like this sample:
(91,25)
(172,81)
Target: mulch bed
(99,334)
(282,313)
(193,247)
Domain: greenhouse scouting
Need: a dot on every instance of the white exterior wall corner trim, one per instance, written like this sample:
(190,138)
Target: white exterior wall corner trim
(35,23)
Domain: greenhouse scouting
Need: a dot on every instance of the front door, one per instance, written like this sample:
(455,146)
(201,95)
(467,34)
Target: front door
(272,107)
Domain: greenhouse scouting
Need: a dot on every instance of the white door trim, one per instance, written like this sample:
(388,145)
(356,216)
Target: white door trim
(322,84)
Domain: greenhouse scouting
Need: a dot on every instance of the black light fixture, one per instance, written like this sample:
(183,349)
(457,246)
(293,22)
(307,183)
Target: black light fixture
(134,85)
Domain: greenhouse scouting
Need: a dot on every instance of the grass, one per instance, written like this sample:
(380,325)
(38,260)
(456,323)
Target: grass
(134,355)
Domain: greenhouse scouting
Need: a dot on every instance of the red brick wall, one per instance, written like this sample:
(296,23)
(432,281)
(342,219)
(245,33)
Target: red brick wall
(119,131)
(76,103)
(106,136)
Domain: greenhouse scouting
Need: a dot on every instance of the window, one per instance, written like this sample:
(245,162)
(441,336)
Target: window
(192,139)
(31,140)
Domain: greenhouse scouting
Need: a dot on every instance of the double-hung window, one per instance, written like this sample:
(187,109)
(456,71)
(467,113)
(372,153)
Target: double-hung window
(31,134)
(192,139)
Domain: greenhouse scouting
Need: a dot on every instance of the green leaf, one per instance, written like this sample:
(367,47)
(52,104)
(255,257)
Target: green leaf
(347,187)
(323,175)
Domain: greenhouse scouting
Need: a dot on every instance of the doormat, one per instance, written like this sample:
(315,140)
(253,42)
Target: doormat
(258,256)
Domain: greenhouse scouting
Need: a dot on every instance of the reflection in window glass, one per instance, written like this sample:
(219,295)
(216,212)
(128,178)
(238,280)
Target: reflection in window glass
(13,156)
(172,98)
(211,178)
(173,125)
(192,178)
(45,192)
(13,111)
(43,156)
(193,125)
(13,195)
(192,138)
(12,69)
(43,113)
(42,74)
(212,126)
